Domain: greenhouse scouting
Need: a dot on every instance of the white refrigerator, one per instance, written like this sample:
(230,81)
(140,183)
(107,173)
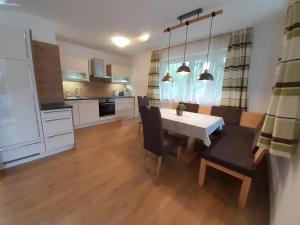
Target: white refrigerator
(20,122)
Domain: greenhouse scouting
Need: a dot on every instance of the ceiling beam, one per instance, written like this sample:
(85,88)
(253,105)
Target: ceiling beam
(194,20)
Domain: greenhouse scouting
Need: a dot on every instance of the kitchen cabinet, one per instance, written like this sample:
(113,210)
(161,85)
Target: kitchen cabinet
(75,111)
(46,61)
(124,107)
(58,129)
(14,43)
(74,64)
(119,74)
(88,111)
(21,133)
(74,69)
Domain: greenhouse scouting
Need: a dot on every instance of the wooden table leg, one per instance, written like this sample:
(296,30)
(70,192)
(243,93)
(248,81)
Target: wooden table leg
(190,152)
(202,172)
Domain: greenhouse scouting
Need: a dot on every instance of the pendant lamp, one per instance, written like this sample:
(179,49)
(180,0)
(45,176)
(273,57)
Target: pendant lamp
(168,78)
(184,69)
(206,75)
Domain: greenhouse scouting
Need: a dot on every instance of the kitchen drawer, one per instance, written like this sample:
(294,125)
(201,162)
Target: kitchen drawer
(56,113)
(124,107)
(58,141)
(22,152)
(124,100)
(125,113)
(57,125)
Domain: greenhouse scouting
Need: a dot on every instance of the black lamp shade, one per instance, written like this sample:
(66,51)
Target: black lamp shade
(183,69)
(206,76)
(167,78)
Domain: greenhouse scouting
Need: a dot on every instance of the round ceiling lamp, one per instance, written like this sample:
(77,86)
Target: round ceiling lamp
(168,78)
(184,69)
(206,75)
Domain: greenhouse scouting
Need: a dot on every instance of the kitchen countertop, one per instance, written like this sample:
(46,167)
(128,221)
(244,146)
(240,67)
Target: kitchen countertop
(53,106)
(95,97)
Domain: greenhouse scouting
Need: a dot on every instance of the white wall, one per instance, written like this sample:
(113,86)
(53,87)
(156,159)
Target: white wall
(42,29)
(267,39)
(284,193)
(68,49)
(140,69)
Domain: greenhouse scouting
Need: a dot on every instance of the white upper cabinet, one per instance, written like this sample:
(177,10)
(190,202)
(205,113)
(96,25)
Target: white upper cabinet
(14,43)
(119,74)
(74,69)
(74,64)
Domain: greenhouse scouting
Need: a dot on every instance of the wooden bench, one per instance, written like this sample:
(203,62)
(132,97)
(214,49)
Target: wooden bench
(235,151)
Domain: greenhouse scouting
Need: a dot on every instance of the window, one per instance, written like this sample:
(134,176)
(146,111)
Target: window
(187,88)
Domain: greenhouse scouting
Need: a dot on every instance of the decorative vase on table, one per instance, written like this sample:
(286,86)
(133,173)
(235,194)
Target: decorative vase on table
(179,112)
(179,109)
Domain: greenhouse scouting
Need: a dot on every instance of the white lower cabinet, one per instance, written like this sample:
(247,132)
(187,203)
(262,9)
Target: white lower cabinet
(75,111)
(88,111)
(61,140)
(125,107)
(58,129)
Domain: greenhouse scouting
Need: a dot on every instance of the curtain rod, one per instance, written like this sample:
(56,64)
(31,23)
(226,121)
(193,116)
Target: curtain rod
(194,20)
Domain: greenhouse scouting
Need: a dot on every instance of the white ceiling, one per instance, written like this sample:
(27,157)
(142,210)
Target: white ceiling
(92,23)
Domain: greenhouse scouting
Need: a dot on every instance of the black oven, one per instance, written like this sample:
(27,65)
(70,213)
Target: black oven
(107,107)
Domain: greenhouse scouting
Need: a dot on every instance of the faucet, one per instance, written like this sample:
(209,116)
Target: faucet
(77,92)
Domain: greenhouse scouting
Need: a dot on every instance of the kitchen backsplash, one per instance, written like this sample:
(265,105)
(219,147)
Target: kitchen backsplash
(89,89)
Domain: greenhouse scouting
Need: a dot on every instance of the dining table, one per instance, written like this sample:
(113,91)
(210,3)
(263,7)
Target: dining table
(191,125)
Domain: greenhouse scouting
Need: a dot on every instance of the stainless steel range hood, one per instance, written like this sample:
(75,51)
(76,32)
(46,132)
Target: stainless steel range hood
(98,69)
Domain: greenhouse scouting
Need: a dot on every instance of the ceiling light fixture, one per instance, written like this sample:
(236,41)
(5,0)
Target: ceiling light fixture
(184,69)
(120,41)
(144,37)
(168,78)
(6,3)
(206,75)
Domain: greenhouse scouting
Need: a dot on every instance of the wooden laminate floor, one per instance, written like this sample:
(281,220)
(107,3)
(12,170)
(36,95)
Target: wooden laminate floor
(104,181)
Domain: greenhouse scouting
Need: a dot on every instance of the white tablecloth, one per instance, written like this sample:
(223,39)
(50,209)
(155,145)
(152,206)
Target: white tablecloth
(193,125)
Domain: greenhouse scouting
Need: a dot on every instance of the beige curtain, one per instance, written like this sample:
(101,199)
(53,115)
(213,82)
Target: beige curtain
(153,78)
(234,90)
(281,130)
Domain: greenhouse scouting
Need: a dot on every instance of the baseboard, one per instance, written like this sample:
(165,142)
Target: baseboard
(38,156)
(102,122)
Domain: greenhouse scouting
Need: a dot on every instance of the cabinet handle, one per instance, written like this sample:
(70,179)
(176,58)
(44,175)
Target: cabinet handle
(26,44)
(66,118)
(55,135)
(53,111)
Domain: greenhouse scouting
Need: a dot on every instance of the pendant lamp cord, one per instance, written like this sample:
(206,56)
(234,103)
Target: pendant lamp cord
(211,22)
(169,50)
(186,31)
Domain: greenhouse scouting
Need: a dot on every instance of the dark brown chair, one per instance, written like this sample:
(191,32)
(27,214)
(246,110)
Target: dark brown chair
(190,107)
(236,154)
(155,140)
(142,101)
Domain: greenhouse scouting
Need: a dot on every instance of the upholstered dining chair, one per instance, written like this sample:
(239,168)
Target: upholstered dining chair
(190,107)
(142,101)
(155,140)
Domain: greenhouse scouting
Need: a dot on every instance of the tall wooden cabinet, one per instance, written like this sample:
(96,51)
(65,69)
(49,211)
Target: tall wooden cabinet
(47,69)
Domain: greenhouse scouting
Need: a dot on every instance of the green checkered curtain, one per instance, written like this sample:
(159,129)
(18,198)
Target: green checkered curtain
(153,78)
(234,90)
(281,130)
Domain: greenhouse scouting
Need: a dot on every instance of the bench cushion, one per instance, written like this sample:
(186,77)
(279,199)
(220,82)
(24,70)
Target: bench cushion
(233,149)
